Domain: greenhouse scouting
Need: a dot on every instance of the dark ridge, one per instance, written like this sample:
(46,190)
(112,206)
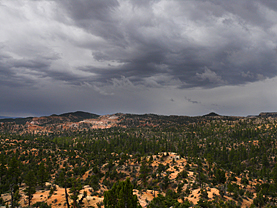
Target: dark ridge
(142,115)
(268,114)
(211,114)
(81,114)
(72,117)
(16,120)
(69,117)
(252,116)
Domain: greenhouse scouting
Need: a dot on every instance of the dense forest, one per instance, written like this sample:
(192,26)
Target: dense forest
(176,159)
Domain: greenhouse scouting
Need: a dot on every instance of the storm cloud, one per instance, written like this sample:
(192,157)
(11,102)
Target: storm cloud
(136,56)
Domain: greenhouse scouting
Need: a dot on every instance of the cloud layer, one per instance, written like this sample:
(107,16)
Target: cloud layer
(126,50)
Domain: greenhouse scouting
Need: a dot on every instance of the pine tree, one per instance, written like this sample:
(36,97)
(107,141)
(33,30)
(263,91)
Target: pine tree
(42,174)
(14,179)
(3,171)
(121,196)
(64,181)
(274,174)
(75,190)
(3,168)
(144,170)
(30,181)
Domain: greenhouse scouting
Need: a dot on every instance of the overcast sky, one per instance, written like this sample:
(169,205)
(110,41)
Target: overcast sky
(167,57)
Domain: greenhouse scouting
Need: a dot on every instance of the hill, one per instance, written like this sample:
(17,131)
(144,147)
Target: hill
(2,117)
(66,117)
(211,114)
(171,161)
(268,114)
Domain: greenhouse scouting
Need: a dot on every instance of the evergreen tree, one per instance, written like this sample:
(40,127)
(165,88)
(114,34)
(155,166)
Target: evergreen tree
(144,170)
(16,198)
(3,168)
(220,176)
(169,200)
(274,174)
(75,190)
(41,205)
(3,172)
(42,174)
(30,181)
(14,179)
(260,200)
(63,181)
(121,196)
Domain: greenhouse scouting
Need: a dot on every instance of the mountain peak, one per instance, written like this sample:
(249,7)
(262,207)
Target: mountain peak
(211,114)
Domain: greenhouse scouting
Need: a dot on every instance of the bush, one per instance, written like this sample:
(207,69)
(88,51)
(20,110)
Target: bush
(41,205)
(244,181)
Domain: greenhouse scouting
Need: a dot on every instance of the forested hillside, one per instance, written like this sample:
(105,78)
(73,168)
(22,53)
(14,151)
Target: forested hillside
(168,161)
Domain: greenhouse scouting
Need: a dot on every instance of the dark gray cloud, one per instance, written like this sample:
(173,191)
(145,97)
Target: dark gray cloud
(115,46)
(185,37)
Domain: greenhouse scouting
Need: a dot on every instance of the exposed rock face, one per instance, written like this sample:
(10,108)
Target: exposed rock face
(48,124)
(84,121)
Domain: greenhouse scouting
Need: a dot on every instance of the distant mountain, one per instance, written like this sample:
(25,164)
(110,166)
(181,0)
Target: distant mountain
(81,114)
(9,117)
(268,114)
(78,116)
(1,117)
(211,114)
(80,120)
(16,120)
(66,117)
